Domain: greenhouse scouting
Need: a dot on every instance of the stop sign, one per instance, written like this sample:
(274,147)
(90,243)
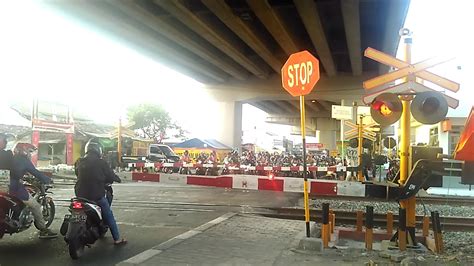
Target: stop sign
(300,73)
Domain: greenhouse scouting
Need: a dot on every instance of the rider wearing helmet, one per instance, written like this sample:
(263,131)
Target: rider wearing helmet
(93,173)
(21,164)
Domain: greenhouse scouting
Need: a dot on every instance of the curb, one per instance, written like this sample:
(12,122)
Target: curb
(156,250)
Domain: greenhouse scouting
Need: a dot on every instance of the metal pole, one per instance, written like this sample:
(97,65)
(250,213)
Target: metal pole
(306,196)
(408,204)
(343,156)
(360,150)
(119,141)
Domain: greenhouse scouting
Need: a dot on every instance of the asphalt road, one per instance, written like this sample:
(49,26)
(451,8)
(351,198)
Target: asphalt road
(147,213)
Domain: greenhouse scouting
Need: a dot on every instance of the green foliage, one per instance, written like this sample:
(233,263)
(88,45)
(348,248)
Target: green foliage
(153,122)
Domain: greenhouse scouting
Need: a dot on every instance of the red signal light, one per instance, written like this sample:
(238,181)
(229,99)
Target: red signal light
(382,108)
(77,205)
(377,104)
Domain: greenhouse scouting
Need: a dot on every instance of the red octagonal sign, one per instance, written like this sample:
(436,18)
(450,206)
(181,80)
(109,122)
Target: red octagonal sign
(300,73)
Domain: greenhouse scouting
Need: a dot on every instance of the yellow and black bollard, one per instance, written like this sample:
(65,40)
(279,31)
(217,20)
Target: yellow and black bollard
(325,233)
(359,221)
(402,229)
(369,225)
(333,221)
(389,223)
(438,237)
(440,233)
(426,226)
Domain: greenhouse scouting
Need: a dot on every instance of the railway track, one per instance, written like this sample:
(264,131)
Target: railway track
(435,200)
(342,217)
(448,223)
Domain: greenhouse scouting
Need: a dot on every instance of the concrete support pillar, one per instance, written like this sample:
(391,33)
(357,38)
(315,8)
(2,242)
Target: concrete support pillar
(229,120)
(327,128)
(328,138)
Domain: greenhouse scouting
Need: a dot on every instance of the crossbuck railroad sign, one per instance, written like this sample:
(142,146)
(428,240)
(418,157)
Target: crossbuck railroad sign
(354,131)
(409,71)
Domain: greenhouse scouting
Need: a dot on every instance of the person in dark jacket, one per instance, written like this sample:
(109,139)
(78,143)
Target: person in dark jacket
(21,165)
(93,173)
(5,156)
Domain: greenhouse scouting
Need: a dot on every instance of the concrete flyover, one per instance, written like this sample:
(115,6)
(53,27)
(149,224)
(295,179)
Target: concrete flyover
(237,47)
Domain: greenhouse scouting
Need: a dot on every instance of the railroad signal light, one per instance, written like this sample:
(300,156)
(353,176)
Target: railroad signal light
(386,109)
(354,143)
(429,107)
(389,143)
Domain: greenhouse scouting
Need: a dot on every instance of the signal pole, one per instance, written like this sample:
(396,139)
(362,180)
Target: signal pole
(360,176)
(119,141)
(408,204)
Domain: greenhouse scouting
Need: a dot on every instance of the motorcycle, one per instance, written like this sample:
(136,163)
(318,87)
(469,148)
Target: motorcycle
(16,217)
(85,224)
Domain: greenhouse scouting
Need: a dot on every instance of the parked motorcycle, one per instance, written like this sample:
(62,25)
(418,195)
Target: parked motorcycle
(15,217)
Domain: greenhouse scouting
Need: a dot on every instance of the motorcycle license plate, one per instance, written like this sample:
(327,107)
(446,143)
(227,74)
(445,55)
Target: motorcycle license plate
(78,218)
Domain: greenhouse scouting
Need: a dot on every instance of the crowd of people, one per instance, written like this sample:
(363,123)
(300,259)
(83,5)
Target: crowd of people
(265,158)
(281,159)
(284,159)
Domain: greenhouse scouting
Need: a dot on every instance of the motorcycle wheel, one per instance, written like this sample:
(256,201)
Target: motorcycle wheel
(76,248)
(103,232)
(48,209)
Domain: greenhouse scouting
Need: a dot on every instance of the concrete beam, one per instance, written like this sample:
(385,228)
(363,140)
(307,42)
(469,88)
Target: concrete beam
(162,26)
(327,105)
(262,106)
(291,121)
(393,23)
(311,108)
(212,34)
(228,17)
(288,107)
(332,89)
(319,106)
(274,25)
(273,106)
(100,14)
(310,16)
(351,17)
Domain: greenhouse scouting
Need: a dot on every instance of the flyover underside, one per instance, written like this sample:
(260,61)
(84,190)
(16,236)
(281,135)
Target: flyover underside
(237,47)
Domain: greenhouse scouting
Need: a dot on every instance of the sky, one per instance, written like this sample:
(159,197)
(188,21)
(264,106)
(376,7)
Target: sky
(51,57)
(443,29)
(46,55)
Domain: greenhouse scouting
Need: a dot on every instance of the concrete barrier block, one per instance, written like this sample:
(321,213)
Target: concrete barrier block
(311,243)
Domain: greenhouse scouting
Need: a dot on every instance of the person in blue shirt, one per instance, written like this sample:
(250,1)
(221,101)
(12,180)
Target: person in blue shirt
(21,165)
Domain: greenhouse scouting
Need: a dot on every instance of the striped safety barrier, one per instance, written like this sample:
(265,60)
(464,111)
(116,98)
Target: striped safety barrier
(141,165)
(251,182)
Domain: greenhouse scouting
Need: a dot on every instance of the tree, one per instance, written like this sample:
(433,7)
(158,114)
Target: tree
(153,122)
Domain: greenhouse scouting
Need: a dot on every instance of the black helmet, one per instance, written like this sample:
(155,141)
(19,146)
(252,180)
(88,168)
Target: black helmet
(92,146)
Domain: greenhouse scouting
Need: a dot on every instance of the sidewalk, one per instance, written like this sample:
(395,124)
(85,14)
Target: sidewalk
(235,239)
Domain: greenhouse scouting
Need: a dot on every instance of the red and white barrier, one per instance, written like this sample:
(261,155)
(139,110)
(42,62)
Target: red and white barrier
(239,167)
(251,182)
